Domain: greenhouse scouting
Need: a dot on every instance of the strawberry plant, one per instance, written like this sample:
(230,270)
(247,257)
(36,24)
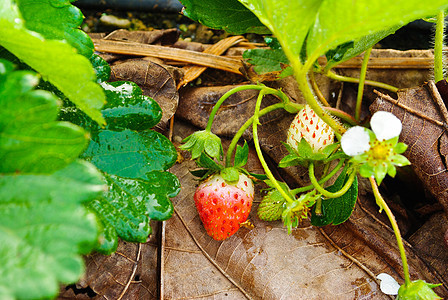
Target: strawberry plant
(80,166)
(300,33)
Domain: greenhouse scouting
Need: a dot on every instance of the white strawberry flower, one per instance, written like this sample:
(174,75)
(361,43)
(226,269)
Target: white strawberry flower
(377,151)
(385,126)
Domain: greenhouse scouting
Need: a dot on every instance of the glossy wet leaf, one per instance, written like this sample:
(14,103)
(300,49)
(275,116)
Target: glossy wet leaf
(130,154)
(31,141)
(43,234)
(101,67)
(128,108)
(129,205)
(55,60)
(229,15)
(337,210)
(134,160)
(56,20)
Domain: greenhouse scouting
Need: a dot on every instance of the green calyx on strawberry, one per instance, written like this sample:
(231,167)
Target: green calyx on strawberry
(297,210)
(418,289)
(203,141)
(224,205)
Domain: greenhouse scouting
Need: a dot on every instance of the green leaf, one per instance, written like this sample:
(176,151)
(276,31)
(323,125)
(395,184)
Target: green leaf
(338,22)
(358,46)
(134,163)
(241,155)
(290,160)
(229,15)
(130,154)
(327,24)
(208,163)
(42,234)
(101,67)
(337,210)
(55,60)
(289,21)
(266,60)
(31,141)
(128,108)
(129,205)
(56,20)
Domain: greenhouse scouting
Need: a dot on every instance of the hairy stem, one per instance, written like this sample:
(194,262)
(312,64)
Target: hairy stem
(321,181)
(438,46)
(307,93)
(362,79)
(377,84)
(316,89)
(383,205)
(268,172)
(218,104)
(326,193)
(245,126)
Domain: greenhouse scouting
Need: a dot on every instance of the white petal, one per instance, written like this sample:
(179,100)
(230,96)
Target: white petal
(385,125)
(388,285)
(355,141)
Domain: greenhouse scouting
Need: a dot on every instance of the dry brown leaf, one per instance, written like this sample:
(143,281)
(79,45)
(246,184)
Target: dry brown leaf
(156,37)
(427,142)
(428,242)
(129,273)
(193,72)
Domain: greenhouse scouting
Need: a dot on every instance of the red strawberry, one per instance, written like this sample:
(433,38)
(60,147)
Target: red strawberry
(313,129)
(222,207)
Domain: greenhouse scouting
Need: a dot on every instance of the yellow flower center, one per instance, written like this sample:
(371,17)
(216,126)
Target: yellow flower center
(380,150)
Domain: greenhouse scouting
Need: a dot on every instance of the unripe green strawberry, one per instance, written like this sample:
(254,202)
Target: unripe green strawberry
(271,207)
(313,129)
(222,207)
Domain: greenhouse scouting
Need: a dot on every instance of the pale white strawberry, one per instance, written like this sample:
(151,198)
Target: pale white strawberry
(313,129)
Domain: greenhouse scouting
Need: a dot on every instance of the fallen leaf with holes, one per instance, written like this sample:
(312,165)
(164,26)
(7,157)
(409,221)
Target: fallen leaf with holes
(423,132)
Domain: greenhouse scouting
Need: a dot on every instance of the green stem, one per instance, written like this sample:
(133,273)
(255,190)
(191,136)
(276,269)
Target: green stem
(268,172)
(243,128)
(307,93)
(377,84)
(321,181)
(438,46)
(334,111)
(362,79)
(383,205)
(323,191)
(318,207)
(218,104)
